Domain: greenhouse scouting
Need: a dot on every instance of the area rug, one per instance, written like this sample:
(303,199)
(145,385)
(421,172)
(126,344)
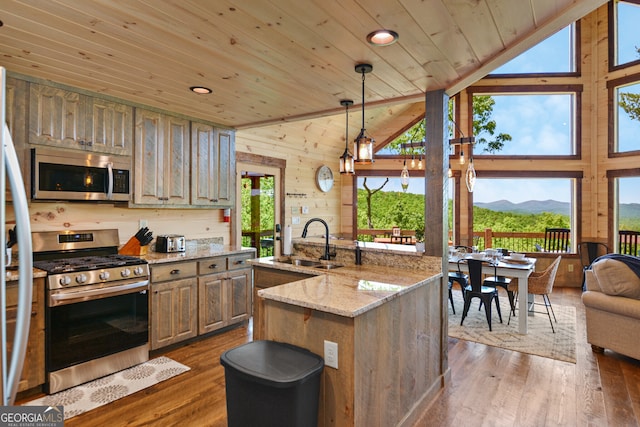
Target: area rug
(540,340)
(93,394)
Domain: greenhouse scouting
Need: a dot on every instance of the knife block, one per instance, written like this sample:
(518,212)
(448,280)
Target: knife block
(132,247)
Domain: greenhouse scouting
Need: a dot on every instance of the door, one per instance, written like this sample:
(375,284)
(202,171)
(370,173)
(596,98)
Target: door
(260,210)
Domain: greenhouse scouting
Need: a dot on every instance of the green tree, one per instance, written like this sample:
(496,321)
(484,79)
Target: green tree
(630,103)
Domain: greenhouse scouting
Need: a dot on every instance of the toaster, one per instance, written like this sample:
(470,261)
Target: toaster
(170,243)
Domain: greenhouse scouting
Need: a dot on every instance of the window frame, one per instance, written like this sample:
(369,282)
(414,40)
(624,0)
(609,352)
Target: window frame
(575,90)
(611,114)
(613,203)
(612,39)
(576,49)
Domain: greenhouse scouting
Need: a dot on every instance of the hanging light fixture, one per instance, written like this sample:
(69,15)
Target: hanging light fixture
(470,176)
(404,176)
(346,160)
(420,162)
(363,144)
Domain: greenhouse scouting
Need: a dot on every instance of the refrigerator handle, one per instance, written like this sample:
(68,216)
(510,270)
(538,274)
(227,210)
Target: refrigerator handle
(25,268)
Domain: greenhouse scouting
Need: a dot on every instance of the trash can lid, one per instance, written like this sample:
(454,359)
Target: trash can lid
(273,363)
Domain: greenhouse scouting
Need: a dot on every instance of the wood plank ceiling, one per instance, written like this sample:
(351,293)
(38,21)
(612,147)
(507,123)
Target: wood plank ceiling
(273,61)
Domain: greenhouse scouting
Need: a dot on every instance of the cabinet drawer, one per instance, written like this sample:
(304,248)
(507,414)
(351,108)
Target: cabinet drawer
(239,261)
(212,265)
(173,271)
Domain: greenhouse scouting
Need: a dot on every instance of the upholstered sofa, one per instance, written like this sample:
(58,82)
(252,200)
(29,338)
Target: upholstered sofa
(612,305)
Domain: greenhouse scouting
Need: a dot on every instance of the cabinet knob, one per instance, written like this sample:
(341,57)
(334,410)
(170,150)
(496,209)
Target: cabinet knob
(176,271)
(239,262)
(89,143)
(213,266)
(81,142)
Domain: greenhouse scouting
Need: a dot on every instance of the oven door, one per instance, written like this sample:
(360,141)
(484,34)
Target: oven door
(86,323)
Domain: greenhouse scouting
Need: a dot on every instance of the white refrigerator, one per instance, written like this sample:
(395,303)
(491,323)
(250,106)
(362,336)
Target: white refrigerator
(11,177)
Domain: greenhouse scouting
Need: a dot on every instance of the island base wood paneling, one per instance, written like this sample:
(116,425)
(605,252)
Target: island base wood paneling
(389,358)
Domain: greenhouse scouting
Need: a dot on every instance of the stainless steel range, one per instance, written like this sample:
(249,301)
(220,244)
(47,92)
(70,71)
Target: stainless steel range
(97,307)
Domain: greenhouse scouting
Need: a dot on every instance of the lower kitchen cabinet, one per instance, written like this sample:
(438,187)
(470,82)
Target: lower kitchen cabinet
(33,367)
(224,297)
(174,303)
(197,297)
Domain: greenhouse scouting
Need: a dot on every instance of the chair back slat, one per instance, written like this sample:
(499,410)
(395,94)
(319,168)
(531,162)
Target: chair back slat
(628,242)
(556,240)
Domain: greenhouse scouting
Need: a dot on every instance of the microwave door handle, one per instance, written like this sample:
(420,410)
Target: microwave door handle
(110,181)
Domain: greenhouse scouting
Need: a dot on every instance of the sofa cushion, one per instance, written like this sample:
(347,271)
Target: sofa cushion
(615,278)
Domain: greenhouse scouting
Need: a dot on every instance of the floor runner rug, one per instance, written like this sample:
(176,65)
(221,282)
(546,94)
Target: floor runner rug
(93,394)
(540,340)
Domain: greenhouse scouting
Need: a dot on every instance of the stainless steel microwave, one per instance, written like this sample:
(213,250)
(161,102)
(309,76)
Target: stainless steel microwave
(69,175)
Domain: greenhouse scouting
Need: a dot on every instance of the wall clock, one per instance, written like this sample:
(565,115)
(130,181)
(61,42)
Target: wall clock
(324,178)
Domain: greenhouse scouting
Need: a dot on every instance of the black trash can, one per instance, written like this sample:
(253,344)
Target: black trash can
(270,383)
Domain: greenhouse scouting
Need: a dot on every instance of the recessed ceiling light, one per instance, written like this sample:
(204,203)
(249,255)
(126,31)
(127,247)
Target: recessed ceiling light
(382,37)
(200,90)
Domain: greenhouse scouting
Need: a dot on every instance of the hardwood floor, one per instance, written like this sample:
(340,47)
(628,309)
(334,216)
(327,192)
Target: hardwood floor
(489,387)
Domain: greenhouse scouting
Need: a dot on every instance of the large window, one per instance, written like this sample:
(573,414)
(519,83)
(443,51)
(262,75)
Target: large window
(517,210)
(538,124)
(556,54)
(626,116)
(624,44)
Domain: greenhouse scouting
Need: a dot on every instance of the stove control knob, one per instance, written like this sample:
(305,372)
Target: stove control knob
(65,280)
(125,273)
(81,278)
(104,275)
(138,271)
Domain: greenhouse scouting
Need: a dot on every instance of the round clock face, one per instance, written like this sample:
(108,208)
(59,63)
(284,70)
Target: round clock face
(324,178)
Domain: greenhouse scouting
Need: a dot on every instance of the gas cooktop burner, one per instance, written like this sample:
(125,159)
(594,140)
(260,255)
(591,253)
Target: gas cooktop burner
(67,265)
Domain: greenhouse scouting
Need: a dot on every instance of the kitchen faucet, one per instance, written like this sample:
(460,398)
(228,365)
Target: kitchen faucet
(326,255)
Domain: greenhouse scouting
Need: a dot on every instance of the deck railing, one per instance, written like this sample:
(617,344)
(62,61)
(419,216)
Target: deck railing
(514,241)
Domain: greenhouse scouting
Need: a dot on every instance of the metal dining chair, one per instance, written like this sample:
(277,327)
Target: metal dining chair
(588,252)
(628,242)
(475,289)
(459,277)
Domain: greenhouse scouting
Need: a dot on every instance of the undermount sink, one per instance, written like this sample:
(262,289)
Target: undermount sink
(309,263)
(328,266)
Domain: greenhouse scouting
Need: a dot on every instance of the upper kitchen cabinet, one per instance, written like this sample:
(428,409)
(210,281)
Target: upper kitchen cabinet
(161,159)
(213,168)
(63,118)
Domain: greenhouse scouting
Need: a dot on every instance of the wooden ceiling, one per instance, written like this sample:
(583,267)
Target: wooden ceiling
(273,61)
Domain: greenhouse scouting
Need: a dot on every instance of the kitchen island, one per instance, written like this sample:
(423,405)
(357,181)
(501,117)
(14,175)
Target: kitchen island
(388,325)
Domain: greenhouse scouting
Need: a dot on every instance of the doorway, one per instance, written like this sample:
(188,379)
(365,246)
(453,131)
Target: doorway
(259,212)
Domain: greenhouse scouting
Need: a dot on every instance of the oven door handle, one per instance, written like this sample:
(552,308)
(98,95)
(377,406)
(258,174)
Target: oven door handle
(70,297)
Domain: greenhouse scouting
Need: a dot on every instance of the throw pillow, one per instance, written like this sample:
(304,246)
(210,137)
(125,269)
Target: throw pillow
(615,278)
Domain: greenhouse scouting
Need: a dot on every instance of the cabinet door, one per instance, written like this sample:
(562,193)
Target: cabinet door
(161,159)
(238,297)
(176,181)
(149,158)
(203,154)
(173,312)
(109,127)
(211,300)
(225,174)
(56,117)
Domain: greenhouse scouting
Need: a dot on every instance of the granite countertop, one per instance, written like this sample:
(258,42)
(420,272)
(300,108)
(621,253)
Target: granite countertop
(348,291)
(13,273)
(195,252)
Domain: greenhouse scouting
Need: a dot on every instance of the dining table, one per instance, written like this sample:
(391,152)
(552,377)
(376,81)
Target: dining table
(508,267)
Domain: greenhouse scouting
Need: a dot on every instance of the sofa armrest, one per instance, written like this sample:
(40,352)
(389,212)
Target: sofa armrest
(591,282)
(622,306)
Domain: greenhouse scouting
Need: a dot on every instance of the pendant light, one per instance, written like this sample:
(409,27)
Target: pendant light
(346,160)
(404,177)
(470,176)
(363,144)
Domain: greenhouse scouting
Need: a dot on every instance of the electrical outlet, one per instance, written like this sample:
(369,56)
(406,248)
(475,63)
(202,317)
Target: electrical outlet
(331,354)
(143,223)
(570,268)
(305,210)
(295,220)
